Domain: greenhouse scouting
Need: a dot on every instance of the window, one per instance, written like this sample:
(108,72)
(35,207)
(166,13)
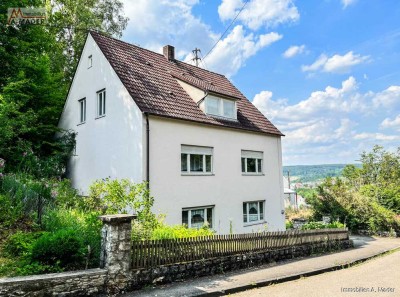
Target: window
(90,61)
(252,162)
(197,217)
(196,159)
(253,211)
(220,107)
(228,108)
(101,103)
(82,111)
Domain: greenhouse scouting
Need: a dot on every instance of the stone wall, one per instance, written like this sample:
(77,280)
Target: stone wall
(177,272)
(80,283)
(111,278)
(116,275)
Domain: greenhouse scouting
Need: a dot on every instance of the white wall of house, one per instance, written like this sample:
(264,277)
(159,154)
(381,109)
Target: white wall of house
(109,146)
(227,188)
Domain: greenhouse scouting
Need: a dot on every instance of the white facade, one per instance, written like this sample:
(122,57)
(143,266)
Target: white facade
(115,146)
(109,146)
(226,188)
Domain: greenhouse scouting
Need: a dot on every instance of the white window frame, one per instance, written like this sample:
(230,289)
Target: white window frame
(197,150)
(90,61)
(220,107)
(82,110)
(101,98)
(259,158)
(205,208)
(260,218)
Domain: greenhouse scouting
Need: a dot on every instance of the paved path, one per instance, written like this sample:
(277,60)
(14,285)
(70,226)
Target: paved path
(377,277)
(240,280)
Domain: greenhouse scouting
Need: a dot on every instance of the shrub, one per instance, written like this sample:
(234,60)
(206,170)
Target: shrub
(65,195)
(321,225)
(288,225)
(27,194)
(10,212)
(63,248)
(122,196)
(179,231)
(87,225)
(25,267)
(20,243)
(300,213)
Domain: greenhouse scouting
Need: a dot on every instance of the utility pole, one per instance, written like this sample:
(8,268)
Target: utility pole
(196,56)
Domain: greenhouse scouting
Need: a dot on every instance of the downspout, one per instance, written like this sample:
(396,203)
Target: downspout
(147,150)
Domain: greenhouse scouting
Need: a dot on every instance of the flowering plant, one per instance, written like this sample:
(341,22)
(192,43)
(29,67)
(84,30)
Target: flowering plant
(2,165)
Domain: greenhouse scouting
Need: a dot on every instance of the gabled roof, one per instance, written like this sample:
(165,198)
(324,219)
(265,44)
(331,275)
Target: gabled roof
(151,80)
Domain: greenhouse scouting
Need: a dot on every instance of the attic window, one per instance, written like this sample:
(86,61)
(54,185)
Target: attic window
(220,107)
(90,61)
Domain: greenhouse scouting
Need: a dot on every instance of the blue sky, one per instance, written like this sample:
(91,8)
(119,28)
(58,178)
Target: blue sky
(326,73)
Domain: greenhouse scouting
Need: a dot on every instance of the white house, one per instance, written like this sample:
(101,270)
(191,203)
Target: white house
(291,198)
(208,154)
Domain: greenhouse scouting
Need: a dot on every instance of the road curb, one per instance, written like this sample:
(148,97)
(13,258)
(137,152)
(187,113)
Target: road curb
(279,280)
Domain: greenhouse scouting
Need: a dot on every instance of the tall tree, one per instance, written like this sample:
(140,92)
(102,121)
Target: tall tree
(37,64)
(69,21)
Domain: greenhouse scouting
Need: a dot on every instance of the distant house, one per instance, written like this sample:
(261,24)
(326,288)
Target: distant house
(291,198)
(207,153)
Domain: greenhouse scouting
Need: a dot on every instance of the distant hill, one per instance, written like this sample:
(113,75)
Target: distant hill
(313,173)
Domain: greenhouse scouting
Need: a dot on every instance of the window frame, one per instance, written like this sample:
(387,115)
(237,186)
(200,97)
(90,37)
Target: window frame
(260,215)
(82,107)
(221,110)
(258,160)
(205,208)
(104,103)
(207,151)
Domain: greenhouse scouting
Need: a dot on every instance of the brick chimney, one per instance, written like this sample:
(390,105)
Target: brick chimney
(169,52)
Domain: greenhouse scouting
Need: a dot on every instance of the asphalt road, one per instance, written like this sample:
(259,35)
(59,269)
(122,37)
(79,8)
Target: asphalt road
(377,277)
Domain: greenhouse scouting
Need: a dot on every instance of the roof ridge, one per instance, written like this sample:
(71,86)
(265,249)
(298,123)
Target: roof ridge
(131,44)
(153,52)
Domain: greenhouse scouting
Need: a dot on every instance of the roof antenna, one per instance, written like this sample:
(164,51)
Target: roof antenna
(196,56)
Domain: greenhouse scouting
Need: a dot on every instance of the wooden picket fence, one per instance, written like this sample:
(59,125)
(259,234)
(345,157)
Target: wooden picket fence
(153,253)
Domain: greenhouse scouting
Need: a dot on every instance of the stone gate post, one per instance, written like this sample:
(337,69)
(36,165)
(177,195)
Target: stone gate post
(116,250)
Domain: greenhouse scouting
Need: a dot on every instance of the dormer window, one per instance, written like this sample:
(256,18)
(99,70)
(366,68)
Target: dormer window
(220,107)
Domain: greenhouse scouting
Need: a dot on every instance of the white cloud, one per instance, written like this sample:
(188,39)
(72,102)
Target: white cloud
(154,24)
(336,63)
(259,13)
(388,123)
(231,53)
(338,122)
(388,98)
(376,136)
(331,100)
(294,50)
(346,3)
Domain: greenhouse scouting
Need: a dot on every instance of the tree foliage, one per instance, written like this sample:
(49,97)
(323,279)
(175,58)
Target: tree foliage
(37,65)
(378,178)
(69,22)
(366,197)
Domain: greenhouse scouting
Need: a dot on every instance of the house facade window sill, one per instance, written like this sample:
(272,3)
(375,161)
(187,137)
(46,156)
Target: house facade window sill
(197,174)
(254,223)
(99,117)
(253,174)
(81,123)
(219,117)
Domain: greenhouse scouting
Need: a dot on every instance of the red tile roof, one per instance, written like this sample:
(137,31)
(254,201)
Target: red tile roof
(151,80)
